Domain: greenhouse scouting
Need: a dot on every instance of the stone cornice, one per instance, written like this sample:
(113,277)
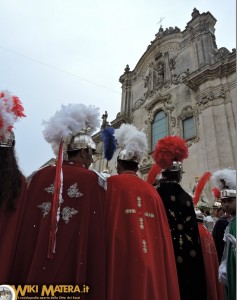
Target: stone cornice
(120,119)
(97,137)
(222,68)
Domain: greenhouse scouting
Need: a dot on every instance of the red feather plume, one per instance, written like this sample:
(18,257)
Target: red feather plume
(201,183)
(152,174)
(169,149)
(10,110)
(17,107)
(216,193)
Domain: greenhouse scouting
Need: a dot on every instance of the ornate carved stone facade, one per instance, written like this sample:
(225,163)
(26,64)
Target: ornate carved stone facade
(184,74)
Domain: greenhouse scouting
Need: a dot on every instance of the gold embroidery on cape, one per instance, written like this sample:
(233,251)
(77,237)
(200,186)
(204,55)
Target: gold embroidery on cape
(73,191)
(188,238)
(130,211)
(50,189)
(139,201)
(141,223)
(45,208)
(147,215)
(180,241)
(144,246)
(172,198)
(68,213)
(172,213)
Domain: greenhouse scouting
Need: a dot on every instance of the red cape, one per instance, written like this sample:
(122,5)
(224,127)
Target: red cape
(140,256)
(10,223)
(80,245)
(215,289)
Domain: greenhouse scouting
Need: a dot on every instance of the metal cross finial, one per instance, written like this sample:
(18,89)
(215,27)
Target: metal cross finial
(160,21)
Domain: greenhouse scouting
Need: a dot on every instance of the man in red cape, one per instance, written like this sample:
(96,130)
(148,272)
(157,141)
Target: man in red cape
(73,252)
(12,184)
(168,155)
(215,290)
(12,200)
(225,181)
(139,251)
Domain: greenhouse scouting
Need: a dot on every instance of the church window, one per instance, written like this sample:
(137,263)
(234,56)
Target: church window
(189,130)
(159,127)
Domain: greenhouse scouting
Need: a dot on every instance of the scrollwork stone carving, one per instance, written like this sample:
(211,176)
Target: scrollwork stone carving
(138,104)
(146,160)
(222,94)
(176,79)
(172,121)
(187,112)
(209,96)
(221,53)
(192,141)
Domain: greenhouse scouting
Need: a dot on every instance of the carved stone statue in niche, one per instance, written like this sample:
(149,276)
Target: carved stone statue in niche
(148,81)
(148,78)
(171,63)
(159,72)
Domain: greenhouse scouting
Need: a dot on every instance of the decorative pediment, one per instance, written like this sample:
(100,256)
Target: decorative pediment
(187,112)
(158,99)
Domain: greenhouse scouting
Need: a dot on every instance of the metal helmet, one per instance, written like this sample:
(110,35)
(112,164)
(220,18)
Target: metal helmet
(225,181)
(228,193)
(9,141)
(81,141)
(125,155)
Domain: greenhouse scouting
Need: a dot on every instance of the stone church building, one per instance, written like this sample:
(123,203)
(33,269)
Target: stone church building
(182,85)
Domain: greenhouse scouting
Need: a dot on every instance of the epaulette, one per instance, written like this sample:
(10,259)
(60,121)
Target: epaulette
(102,181)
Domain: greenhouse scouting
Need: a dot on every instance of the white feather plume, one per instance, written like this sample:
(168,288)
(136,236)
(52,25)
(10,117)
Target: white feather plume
(229,177)
(123,133)
(69,121)
(131,139)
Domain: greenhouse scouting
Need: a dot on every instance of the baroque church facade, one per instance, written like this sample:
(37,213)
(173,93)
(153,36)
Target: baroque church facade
(182,85)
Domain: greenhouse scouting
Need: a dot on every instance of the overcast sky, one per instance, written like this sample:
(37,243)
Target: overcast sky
(55,52)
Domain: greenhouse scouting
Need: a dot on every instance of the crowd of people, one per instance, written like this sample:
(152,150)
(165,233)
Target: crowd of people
(122,236)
